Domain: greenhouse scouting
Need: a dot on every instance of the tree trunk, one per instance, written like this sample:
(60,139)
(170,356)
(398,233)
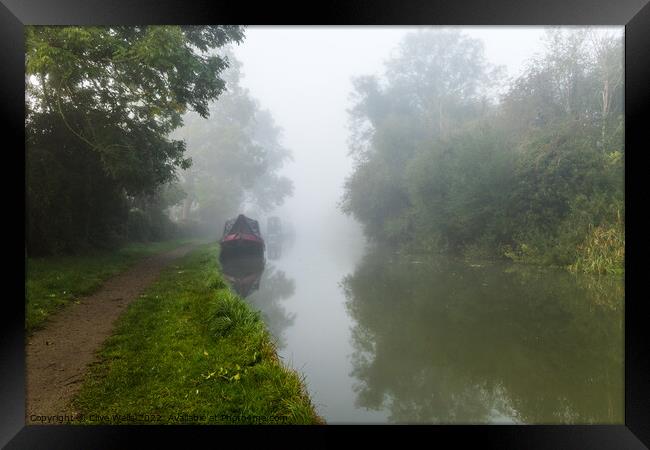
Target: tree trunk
(605,94)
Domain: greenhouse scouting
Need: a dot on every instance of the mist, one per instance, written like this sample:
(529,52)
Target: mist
(421,217)
(303,75)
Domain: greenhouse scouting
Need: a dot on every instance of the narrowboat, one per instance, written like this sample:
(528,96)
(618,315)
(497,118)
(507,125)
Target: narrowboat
(241,236)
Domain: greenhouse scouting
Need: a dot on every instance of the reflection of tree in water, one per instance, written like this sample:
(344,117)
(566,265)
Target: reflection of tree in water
(458,344)
(274,287)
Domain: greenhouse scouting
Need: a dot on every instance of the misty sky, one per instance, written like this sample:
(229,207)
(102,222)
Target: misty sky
(303,76)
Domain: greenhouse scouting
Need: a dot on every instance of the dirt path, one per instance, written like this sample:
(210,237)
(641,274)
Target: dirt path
(58,355)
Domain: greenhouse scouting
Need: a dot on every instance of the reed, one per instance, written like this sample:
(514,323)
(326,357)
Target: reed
(602,251)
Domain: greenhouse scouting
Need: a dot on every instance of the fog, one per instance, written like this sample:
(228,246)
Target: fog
(418,174)
(303,76)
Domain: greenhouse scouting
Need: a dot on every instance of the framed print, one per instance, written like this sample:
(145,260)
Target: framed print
(398,220)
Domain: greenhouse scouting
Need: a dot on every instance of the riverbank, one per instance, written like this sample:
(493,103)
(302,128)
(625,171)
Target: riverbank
(53,282)
(601,254)
(189,351)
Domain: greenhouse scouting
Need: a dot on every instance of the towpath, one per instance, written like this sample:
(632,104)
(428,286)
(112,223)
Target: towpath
(58,355)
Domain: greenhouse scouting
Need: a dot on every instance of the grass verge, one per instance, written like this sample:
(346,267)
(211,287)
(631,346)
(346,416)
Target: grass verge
(53,282)
(189,351)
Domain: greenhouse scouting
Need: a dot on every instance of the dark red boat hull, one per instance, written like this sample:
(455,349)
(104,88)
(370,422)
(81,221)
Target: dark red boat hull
(242,244)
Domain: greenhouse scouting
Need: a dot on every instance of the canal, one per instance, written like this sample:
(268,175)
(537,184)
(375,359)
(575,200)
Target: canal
(384,338)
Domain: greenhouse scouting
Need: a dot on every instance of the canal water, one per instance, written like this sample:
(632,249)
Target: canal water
(383,338)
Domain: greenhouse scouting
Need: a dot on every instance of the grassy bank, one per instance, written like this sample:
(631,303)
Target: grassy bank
(190,351)
(603,251)
(53,282)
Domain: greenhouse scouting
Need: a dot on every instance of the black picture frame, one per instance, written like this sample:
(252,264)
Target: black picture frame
(633,14)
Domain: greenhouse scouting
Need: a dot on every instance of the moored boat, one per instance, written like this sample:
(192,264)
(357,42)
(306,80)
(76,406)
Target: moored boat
(241,236)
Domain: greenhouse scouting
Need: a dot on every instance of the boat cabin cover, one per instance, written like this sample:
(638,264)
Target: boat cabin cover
(242,224)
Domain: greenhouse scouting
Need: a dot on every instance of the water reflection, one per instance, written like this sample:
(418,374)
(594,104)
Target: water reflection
(442,342)
(264,287)
(243,272)
(274,248)
(275,287)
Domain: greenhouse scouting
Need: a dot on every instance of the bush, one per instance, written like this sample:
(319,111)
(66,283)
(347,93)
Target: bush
(138,225)
(153,225)
(188,228)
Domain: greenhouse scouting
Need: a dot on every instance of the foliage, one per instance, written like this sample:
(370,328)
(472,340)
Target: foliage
(100,104)
(443,167)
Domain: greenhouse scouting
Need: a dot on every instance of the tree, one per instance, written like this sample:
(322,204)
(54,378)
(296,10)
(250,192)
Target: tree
(236,153)
(569,173)
(109,96)
(438,81)
(538,176)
